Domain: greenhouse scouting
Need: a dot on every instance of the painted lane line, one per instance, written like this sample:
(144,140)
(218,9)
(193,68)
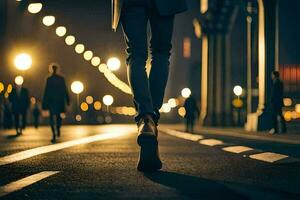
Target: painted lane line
(237,149)
(183,135)
(211,142)
(55,147)
(268,157)
(22,183)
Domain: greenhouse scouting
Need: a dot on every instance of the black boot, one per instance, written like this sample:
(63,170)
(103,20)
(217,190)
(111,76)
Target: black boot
(147,139)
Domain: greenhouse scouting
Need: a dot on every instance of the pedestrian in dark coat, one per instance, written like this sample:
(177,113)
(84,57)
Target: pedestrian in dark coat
(55,99)
(148,93)
(191,113)
(277,104)
(19,100)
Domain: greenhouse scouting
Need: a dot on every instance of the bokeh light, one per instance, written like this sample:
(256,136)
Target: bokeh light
(84,106)
(113,64)
(186,92)
(48,20)
(97,105)
(1,87)
(77,87)
(96,61)
(70,40)
(89,99)
(181,112)
(108,100)
(23,61)
(19,80)
(237,90)
(78,118)
(61,31)
(34,8)
(79,48)
(173,102)
(88,55)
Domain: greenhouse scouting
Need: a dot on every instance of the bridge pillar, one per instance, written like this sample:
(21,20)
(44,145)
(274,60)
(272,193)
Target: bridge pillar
(218,98)
(267,28)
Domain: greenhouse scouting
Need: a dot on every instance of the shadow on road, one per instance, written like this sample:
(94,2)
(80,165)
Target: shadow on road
(10,137)
(194,187)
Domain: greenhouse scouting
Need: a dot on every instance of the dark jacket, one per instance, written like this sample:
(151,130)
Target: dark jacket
(165,8)
(19,99)
(277,94)
(191,108)
(56,94)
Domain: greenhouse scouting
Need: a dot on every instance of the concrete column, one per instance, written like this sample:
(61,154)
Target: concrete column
(267,10)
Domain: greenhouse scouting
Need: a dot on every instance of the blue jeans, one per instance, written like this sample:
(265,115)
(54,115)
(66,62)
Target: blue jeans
(148,93)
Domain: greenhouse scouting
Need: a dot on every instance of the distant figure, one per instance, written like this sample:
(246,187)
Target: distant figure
(7,115)
(19,100)
(36,115)
(192,112)
(55,99)
(277,104)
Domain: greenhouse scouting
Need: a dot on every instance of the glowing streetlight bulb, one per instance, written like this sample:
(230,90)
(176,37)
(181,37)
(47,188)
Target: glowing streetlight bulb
(89,99)
(166,108)
(23,61)
(48,20)
(113,64)
(88,55)
(34,8)
(172,102)
(77,87)
(61,31)
(79,48)
(237,90)
(108,100)
(186,92)
(19,80)
(70,40)
(95,61)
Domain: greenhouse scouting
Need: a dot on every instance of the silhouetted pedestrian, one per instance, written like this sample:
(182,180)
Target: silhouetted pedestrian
(7,115)
(191,113)
(277,104)
(19,99)
(148,94)
(36,113)
(55,98)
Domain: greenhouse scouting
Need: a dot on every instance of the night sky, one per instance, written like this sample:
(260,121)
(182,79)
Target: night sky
(89,21)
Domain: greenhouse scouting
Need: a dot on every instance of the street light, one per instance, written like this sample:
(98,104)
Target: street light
(237,90)
(113,64)
(108,100)
(23,61)
(35,8)
(186,92)
(95,61)
(61,31)
(19,80)
(70,40)
(88,55)
(48,20)
(79,48)
(77,88)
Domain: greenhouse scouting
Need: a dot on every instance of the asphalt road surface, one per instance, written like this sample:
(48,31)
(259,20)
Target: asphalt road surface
(99,162)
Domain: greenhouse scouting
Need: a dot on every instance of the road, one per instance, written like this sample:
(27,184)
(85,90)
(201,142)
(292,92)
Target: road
(99,162)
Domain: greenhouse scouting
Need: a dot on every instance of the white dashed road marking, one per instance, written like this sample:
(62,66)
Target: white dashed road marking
(268,157)
(264,156)
(211,142)
(237,149)
(55,147)
(22,183)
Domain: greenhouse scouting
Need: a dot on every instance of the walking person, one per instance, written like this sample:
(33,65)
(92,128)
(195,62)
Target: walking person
(19,100)
(55,99)
(148,93)
(277,104)
(191,113)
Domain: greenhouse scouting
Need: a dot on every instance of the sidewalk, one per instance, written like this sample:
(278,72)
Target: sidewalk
(291,137)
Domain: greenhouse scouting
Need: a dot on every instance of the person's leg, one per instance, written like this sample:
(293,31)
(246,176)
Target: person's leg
(52,124)
(134,22)
(24,120)
(283,123)
(275,120)
(161,31)
(58,123)
(17,122)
